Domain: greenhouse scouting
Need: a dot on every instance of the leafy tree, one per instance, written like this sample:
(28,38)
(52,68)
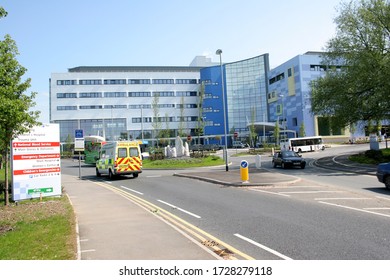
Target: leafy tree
(302,130)
(277,133)
(357,61)
(15,115)
(156,124)
(252,129)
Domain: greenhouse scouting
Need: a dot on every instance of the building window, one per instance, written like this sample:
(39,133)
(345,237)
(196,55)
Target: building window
(115,106)
(66,108)
(295,121)
(115,82)
(115,94)
(140,94)
(186,81)
(276,78)
(163,81)
(164,93)
(90,94)
(186,93)
(139,106)
(87,107)
(289,72)
(187,119)
(166,106)
(90,82)
(188,106)
(138,81)
(66,82)
(67,95)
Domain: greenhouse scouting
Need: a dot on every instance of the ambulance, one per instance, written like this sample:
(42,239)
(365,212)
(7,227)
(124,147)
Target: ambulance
(119,158)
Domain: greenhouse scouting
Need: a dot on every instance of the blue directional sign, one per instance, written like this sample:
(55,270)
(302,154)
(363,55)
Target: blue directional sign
(78,133)
(244,164)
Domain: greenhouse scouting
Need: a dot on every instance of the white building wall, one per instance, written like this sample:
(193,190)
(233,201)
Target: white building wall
(128,113)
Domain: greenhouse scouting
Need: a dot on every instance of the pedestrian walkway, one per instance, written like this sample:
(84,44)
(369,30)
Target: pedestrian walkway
(113,228)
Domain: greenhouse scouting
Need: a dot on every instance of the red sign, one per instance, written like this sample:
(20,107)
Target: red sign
(189,138)
(235,134)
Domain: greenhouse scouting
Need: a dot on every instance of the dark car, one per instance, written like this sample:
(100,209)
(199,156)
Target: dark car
(288,159)
(383,174)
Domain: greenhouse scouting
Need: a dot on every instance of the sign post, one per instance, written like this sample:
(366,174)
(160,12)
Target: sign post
(244,166)
(79,145)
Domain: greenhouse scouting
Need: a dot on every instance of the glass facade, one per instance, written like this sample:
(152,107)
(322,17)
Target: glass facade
(245,86)
(246,91)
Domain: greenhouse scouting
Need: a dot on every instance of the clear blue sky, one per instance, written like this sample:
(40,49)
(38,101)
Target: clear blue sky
(53,36)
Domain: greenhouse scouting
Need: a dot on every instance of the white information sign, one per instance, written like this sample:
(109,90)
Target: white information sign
(36,163)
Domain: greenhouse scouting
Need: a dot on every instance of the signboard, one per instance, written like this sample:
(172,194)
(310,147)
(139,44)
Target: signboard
(36,158)
(79,144)
(78,133)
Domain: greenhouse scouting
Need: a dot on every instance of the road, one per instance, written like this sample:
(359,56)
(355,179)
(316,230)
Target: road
(326,215)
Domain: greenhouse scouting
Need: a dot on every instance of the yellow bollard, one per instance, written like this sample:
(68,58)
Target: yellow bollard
(244,171)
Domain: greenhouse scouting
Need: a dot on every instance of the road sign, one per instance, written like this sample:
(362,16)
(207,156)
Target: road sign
(78,133)
(79,144)
(244,172)
(235,134)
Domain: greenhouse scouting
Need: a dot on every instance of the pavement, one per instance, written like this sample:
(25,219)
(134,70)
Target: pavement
(110,227)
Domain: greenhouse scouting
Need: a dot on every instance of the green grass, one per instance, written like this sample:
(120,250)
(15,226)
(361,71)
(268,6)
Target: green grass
(176,163)
(35,230)
(372,157)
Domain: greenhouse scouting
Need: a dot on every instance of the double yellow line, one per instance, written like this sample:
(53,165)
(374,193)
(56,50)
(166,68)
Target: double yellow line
(222,249)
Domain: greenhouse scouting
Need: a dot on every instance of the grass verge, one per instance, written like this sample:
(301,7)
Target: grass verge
(372,157)
(38,230)
(177,163)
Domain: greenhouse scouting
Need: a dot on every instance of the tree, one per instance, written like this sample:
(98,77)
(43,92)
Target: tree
(156,124)
(15,115)
(357,62)
(277,133)
(302,130)
(252,129)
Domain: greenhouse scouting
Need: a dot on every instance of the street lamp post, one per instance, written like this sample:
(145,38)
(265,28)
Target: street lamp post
(219,52)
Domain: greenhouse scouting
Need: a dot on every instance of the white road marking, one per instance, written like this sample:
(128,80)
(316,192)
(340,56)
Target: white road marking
(310,192)
(180,209)
(86,251)
(153,176)
(263,191)
(377,208)
(356,209)
(342,198)
(382,197)
(132,190)
(276,253)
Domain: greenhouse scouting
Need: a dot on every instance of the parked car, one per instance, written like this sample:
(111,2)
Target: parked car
(288,159)
(383,174)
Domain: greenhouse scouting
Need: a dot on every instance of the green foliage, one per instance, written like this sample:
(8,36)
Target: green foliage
(15,115)
(372,156)
(356,85)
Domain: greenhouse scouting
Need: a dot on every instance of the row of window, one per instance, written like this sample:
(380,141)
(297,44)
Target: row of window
(164,119)
(123,106)
(126,81)
(126,94)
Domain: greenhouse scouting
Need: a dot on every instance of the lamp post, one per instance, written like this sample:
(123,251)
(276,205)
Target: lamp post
(219,52)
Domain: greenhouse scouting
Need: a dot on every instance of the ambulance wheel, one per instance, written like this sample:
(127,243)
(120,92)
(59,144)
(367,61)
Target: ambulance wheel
(135,175)
(110,174)
(98,173)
